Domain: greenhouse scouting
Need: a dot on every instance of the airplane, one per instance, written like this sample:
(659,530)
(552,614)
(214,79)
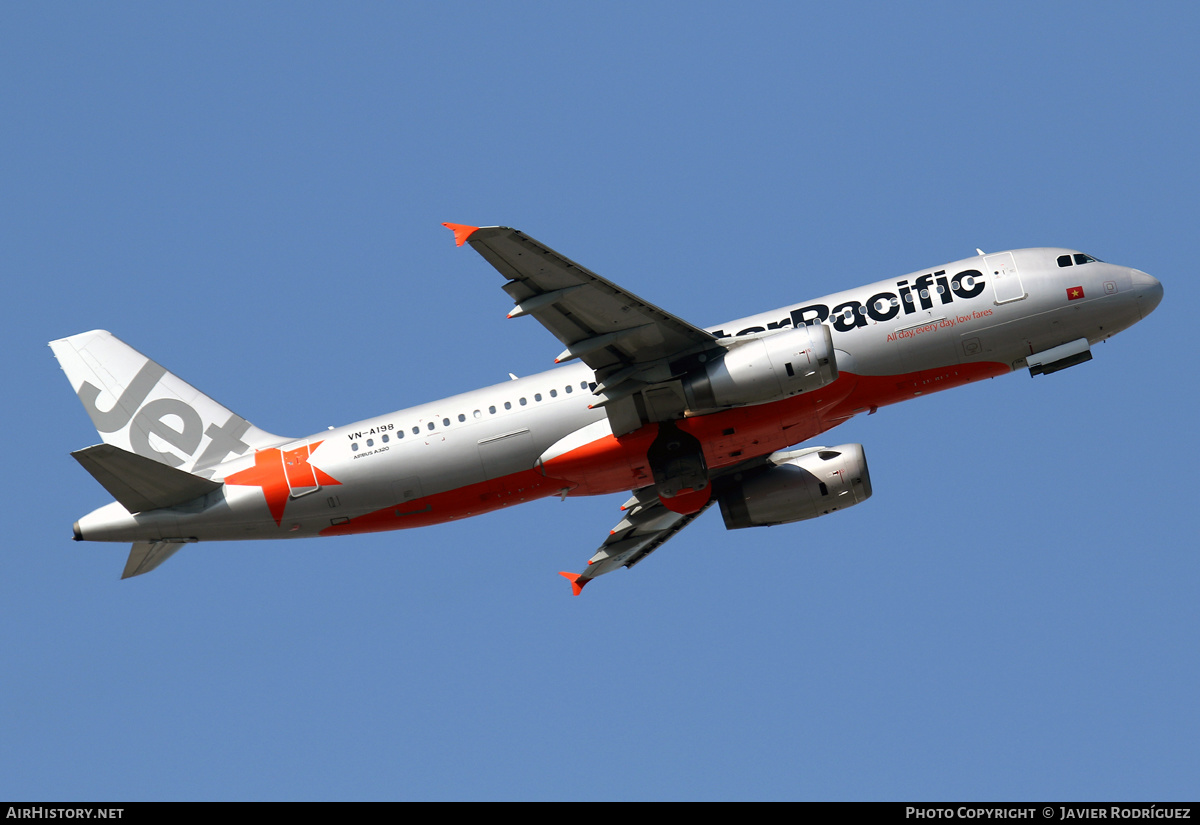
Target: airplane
(646,403)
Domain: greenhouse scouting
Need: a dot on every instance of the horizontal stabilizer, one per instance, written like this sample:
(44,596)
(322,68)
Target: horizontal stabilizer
(141,483)
(147,555)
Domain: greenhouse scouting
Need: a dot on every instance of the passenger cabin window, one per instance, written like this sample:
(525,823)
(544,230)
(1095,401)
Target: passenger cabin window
(554,393)
(492,409)
(445,422)
(508,405)
(462,418)
(537,396)
(429,426)
(523,402)
(477,414)
(416,430)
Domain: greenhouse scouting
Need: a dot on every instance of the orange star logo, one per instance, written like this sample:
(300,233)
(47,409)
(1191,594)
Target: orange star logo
(280,473)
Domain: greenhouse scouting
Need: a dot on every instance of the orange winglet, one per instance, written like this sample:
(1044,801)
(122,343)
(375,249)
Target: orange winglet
(461,232)
(574,578)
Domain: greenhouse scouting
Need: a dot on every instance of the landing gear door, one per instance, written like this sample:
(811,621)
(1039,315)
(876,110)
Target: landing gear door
(301,477)
(1006,281)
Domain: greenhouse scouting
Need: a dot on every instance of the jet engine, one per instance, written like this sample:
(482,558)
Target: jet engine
(797,485)
(766,368)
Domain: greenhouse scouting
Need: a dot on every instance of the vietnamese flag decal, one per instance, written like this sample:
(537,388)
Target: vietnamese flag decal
(1074,292)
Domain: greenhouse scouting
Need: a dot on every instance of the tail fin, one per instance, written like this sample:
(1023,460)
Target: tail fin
(139,407)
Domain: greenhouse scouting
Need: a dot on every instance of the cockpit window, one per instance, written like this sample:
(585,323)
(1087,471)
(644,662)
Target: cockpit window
(1080,258)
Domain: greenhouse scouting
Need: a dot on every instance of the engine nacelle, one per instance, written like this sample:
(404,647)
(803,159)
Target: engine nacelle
(758,370)
(798,485)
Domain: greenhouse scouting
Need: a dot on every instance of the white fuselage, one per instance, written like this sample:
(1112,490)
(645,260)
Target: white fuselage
(539,436)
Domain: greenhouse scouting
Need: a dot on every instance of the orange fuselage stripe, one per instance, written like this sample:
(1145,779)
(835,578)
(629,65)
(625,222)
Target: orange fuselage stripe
(618,464)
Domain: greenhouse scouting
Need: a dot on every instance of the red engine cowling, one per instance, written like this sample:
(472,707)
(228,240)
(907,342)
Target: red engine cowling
(798,485)
(766,368)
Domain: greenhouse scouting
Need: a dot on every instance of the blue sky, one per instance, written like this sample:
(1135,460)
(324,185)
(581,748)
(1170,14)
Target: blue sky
(253,196)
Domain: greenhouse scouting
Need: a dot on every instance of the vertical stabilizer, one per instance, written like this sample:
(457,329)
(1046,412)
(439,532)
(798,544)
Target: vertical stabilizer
(138,406)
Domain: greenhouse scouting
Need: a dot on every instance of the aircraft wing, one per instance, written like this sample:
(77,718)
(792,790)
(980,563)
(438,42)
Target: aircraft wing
(630,343)
(646,527)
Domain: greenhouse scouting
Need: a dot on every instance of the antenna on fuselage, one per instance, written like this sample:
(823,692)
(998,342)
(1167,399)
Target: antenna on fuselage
(980,251)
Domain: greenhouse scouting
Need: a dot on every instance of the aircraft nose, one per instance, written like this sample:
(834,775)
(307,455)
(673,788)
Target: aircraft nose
(1149,291)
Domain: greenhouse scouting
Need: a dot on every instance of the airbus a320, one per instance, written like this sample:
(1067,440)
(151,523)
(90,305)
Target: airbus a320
(646,403)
